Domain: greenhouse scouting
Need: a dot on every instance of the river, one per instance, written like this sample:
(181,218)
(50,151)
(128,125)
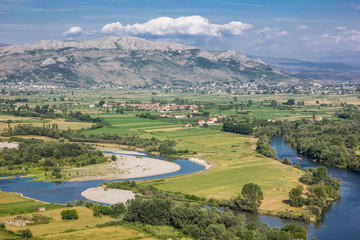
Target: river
(60,192)
(342,219)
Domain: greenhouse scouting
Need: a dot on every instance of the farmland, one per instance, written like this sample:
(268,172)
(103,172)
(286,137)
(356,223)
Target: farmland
(234,161)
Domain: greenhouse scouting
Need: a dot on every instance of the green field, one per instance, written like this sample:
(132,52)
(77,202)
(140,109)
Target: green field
(234,160)
(235,163)
(130,124)
(13,203)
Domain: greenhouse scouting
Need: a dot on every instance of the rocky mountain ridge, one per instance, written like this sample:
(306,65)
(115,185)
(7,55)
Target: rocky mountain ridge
(131,61)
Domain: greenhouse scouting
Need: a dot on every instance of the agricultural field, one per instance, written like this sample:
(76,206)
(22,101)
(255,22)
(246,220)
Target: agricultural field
(63,125)
(233,157)
(129,123)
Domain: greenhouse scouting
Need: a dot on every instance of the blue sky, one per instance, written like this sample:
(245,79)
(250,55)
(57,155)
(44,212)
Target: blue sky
(314,30)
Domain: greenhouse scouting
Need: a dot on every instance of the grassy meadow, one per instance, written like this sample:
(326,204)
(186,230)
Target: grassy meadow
(14,203)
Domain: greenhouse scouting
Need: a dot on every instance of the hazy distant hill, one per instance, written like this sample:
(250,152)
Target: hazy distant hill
(132,61)
(4,44)
(325,71)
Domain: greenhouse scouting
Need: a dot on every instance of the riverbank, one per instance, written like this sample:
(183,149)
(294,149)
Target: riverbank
(206,164)
(107,195)
(129,164)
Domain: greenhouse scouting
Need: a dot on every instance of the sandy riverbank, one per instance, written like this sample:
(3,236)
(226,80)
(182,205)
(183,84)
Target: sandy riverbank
(109,196)
(206,164)
(130,164)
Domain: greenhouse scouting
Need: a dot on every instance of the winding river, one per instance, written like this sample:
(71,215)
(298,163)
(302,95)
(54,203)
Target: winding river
(341,220)
(60,192)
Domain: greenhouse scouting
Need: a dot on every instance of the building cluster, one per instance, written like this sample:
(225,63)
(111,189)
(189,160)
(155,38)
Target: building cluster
(157,107)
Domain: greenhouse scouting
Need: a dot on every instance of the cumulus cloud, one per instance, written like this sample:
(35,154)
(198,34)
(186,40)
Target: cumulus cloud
(302,27)
(73,32)
(272,33)
(166,26)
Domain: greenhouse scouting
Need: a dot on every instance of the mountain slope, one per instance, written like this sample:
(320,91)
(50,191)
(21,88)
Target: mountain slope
(329,72)
(130,61)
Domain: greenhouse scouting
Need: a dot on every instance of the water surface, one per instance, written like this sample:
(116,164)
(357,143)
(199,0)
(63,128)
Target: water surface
(342,219)
(60,192)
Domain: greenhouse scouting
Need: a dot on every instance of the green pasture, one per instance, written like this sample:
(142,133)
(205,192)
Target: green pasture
(122,124)
(235,163)
(13,203)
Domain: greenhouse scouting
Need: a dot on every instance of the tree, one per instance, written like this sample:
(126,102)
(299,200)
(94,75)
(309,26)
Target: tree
(117,209)
(69,204)
(26,233)
(287,161)
(69,214)
(295,197)
(113,157)
(296,231)
(322,173)
(154,211)
(102,102)
(8,122)
(89,204)
(79,202)
(290,102)
(57,154)
(273,103)
(252,195)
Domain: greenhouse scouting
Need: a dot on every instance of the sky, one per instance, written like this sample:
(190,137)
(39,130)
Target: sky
(318,30)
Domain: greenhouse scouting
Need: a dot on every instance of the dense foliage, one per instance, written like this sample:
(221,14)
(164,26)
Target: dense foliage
(329,142)
(251,198)
(69,214)
(241,128)
(158,213)
(322,189)
(263,147)
(48,155)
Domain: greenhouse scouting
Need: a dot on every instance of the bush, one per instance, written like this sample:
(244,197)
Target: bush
(287,161)
(79,202)
(89,204)
(69,214)
(2,225)
(69,204)
(26,233)
(99,210)
(117,209)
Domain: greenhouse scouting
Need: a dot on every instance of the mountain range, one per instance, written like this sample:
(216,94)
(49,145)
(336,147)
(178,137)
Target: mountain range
(328,72)
(131,61)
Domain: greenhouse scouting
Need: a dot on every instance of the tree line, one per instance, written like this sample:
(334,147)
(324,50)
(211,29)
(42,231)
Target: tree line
(165,218)
(165,148)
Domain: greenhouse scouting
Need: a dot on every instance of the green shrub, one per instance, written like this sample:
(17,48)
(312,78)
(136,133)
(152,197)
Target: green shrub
(26,233)
(69,204)
(89,204)
(69,214)
(79,202)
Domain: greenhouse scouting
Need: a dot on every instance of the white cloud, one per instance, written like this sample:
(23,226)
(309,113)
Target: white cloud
(166,26)
(272,33)
(303,27)
(73,32)
(340,38)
